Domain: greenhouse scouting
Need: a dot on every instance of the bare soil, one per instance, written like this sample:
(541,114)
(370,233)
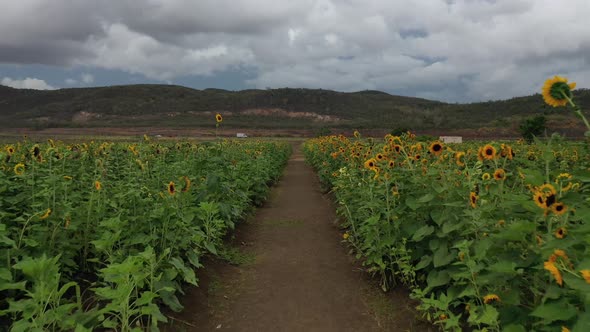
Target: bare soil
(291,272)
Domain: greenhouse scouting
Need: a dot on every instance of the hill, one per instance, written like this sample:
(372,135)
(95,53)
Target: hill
(177,106)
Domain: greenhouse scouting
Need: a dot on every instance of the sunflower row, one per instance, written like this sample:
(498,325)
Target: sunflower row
(124,224)
(488,236)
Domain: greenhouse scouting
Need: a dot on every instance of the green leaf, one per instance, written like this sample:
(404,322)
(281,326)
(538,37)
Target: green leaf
(514,328)
(422,232)
(554,311)
(438,278)
(424,262)
(442,256)
(426,198)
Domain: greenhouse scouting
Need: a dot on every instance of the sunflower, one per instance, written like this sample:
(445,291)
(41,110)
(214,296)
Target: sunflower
(187,184)
(506,151)
(460,159)
(397,148)
(218,118)
(371,163)
(356,134)
(97,185)
(491,298)
(19,169)
(539,199)
(586,275)
(10,150)
(36,151)
(499,175)
(46,214)
(556,91)
(547,189)
(473,199)
(171,188)
(379,157)
(436,148)
(488,152)
(560,233)
(550,266)
(391,164)
(486,176)
(417,157)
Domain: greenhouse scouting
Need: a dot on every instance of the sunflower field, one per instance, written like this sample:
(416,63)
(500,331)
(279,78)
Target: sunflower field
(488,236)
(100,235)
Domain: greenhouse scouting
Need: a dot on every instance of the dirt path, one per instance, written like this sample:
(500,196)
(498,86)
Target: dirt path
(294,274)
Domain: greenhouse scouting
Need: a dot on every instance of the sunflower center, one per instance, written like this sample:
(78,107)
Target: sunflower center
(489,152)
(436,147)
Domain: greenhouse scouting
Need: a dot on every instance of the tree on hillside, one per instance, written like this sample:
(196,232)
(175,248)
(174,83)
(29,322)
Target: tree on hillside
(529,128)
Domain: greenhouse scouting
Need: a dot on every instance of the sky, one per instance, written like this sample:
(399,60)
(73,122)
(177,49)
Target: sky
(448,50)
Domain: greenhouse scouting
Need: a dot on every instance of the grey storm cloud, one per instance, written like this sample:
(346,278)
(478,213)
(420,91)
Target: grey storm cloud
(447,50)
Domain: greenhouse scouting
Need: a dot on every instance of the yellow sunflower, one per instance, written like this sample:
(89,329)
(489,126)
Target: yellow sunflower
(499,175)
(560,233)
(491,298)
(473,199)
(558,208)
(371,163)
(586,275)
(19,169)
(187,184)
(486,176)
(218,118)
(45,215)
(171,188)
(488,152)
(556,91)
(436,148)
(10,150)
(97,185)
(460,159)
(550,266)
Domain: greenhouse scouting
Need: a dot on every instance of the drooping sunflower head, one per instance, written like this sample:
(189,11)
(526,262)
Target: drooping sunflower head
(218,118)
(97,185)
(187,184)
(171,188)
(556,91)
(491,298)
(436,148)
(357,134)
(460,159)
(19,169)
(473,199)
(499,175)
(45,215)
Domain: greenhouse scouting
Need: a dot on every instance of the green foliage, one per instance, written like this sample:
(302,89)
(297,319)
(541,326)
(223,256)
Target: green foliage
(125,224)
(480,252)
(533,127)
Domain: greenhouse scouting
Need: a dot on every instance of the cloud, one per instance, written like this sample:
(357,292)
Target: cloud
(27,83)
(87,78)
(460,50)
(71,81)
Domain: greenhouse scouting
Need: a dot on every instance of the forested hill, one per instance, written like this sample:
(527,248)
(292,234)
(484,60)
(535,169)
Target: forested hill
(177,106)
